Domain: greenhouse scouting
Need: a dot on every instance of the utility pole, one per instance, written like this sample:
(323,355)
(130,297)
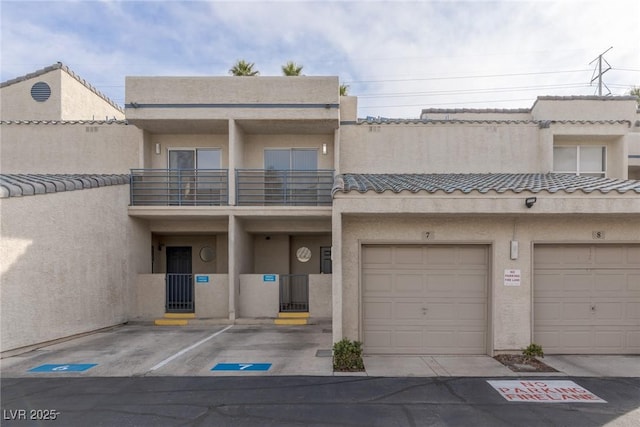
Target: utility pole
(600,71)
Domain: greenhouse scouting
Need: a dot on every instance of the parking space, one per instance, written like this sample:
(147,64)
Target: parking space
(143,350)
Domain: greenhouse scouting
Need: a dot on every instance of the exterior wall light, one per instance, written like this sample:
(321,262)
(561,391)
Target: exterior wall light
(530,201)
(158,148)
(324,149)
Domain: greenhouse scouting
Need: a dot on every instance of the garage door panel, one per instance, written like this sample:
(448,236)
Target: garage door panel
(441,256)
(377,255)
(632,311)
(378,338)
(609,282)
(609,339)
(427,302)
(591,304)
(472,312)
(411,283)
(609,312)
(407,310)
(609,256)
(409,255)
(378,310)
(471,257)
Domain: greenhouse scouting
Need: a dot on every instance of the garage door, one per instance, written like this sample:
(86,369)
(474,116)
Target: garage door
(587,299)
(420,299)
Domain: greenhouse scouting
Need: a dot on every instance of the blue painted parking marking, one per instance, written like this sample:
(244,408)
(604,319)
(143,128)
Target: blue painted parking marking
(77,367)
(241,367)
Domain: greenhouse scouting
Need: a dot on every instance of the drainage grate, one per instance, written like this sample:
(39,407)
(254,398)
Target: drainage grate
(324,353)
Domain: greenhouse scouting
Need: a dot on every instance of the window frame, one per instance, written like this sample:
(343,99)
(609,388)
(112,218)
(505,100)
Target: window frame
(579,171)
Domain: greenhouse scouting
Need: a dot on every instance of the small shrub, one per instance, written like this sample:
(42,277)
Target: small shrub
(347,356)
(533,351)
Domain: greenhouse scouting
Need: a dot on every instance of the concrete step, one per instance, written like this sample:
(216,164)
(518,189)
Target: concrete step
(179,315)
(175,319)
(171,322)
(292,321)
(293,315)
(285,318)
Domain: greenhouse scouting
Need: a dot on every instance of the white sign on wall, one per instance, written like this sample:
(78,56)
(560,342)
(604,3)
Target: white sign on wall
(544,392)
(512,277)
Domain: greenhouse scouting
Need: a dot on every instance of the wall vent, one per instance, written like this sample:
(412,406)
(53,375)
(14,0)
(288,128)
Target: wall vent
(40,91)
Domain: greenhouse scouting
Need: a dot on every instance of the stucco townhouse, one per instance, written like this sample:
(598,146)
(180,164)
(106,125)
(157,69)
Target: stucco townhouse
(465,231)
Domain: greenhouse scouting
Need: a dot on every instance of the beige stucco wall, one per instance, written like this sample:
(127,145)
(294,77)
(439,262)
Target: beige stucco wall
(441,148)
(212,297)
(258,298)
(80,103)
(69,265)
(196,243)
(169,142)
(320,295)
(587,108)
(17,103)
(233,90)
(510,307)
(271,254)
(69,100)
(254,146)
(150,297)
(314,243)
(69,148)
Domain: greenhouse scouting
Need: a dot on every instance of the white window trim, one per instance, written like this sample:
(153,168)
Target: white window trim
(579,172)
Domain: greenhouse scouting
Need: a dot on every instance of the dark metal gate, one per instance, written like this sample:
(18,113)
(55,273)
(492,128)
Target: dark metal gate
(179,293)
(294,293)
(179,281)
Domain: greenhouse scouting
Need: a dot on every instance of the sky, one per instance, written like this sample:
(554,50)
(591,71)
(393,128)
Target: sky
(397,57)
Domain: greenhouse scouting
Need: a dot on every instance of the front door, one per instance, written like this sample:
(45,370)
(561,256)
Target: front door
(179,288)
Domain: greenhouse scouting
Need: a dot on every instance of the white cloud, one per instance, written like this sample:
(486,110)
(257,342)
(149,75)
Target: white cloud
(398,56)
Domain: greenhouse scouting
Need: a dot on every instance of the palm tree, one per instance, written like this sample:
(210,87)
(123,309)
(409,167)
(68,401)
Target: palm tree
(291,69)
(343,90)
(243,68)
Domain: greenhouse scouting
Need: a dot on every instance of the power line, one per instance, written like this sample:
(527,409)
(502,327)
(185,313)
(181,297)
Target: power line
(472,91)
(477,76)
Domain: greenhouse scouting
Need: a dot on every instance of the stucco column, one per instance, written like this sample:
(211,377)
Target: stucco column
(234,277)
(336,285)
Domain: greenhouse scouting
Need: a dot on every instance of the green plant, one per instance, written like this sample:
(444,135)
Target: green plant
(532,351)
(347,356)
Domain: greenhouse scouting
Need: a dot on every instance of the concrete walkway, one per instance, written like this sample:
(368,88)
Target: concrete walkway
(146,350)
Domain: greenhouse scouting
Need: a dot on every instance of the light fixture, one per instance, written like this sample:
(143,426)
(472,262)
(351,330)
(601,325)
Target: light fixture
(324,149)
(530,201)
(158,148)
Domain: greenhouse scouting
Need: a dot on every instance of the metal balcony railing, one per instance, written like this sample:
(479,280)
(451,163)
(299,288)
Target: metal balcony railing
(179,187)
(260,187)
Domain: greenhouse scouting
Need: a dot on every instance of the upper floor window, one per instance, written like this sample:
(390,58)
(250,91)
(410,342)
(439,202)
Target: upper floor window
(291,159)
(585,160)
(200,158)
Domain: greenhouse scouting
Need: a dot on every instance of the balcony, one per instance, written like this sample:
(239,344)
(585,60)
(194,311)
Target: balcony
(179,187)
(260,187)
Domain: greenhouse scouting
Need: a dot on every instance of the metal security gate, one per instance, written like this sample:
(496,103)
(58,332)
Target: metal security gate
(294,293)
(179,293)
(179,280)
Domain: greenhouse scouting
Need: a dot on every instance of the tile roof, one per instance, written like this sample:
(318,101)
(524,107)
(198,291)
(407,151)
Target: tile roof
(64,122)
(61,66)
(482,183)
(15,185)
(540,123)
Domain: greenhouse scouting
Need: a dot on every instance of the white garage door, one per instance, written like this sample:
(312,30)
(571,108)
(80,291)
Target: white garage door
(424,299)
(587,299)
